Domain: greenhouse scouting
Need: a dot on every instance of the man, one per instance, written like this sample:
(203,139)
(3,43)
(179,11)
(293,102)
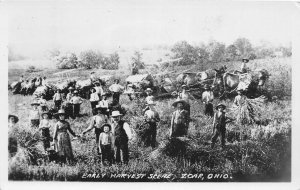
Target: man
(96,123)
(184,95)
(116,89)
(207,99)
(180,120)
(243,66)
(121,132)
(148,99)
(104,104)
(92,76)
(151,118)
(76,101)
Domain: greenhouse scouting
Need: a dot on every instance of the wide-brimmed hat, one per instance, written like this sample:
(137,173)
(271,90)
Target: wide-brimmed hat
(148,90)
(151,102)
(45,112)
(184,86)
(178,101)
(220,105)
(106,125)
(16,118)
(60,112)
(245,59)
(35,103)
(116,114)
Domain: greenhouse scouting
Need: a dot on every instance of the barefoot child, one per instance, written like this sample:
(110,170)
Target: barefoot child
(106,143)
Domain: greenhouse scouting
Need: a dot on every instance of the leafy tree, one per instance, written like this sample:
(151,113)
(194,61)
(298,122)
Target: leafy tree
(90,59)
(231,52)
(186,51)
(137,60)
(111,62)
(216,51)
(243,46)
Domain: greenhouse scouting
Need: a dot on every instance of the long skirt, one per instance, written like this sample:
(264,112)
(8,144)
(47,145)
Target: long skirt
(46,138)
(209,109)
(179,130)
(64,147)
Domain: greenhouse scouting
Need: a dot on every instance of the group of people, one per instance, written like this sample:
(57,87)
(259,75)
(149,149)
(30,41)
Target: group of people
(111,131)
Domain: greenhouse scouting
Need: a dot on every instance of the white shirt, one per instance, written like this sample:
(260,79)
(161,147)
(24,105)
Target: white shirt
(116,88)
(106,138)
(149,98)
(98,121)
(99,90)
(184,96)
(44,82)
(45,123)
(126,127)
(103,103)
(94,97)
(207,96)
(69,97)
(153,115)
(34,114)
(76,100)
(57,96)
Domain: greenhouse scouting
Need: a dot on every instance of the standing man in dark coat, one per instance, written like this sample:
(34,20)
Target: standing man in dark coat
(180,120)
(122,133)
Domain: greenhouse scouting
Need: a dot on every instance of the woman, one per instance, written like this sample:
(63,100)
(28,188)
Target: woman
(61,137)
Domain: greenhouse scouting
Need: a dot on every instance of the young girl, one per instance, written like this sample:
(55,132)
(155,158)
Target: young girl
(94,99)
(45,128)
(62,139)
(34,115)
(106,144)
(57,98)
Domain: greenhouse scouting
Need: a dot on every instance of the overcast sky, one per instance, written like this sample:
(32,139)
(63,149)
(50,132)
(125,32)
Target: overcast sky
(37,26)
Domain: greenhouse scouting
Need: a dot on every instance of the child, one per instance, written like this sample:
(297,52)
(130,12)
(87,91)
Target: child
(219,125)
(34,115)
(94,99)
(106,143)
(43,104)
(97,122)
(57,98)
(152,118)
(76,101)
(104,104)
(69,107)
(61,137)
(207,98)
(44,127)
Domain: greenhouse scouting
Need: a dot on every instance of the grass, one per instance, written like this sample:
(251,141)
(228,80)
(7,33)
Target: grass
(265,154)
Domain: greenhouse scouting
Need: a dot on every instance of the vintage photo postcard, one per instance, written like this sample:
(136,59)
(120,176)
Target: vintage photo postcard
(150,91)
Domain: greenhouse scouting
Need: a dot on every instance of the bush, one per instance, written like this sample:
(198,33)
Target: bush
(90,59)
(186,51)
(216,51)
(111,62)
(67,61)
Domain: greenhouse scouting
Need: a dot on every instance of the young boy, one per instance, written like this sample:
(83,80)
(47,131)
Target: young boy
(104,104)
(45,125)
(207,98)
(57,99)
(34,114)
(76,101)
(219,125)
(152,118)
(106,141)
(94,99)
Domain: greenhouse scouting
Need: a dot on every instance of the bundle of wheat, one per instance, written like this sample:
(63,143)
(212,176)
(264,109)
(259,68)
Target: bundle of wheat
(248,111)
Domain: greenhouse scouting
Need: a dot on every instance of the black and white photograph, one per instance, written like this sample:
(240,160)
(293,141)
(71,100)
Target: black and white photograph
(150,91)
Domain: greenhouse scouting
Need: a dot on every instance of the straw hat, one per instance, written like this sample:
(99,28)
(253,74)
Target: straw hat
(106,125)
(245,60)
(178,101)
(184,86)
(35,103)
(220,105)
(16,118)
(45,112)
(148,90)
(60,112)
(116,114)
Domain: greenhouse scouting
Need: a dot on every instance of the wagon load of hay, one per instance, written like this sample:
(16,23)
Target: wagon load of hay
(139,82)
